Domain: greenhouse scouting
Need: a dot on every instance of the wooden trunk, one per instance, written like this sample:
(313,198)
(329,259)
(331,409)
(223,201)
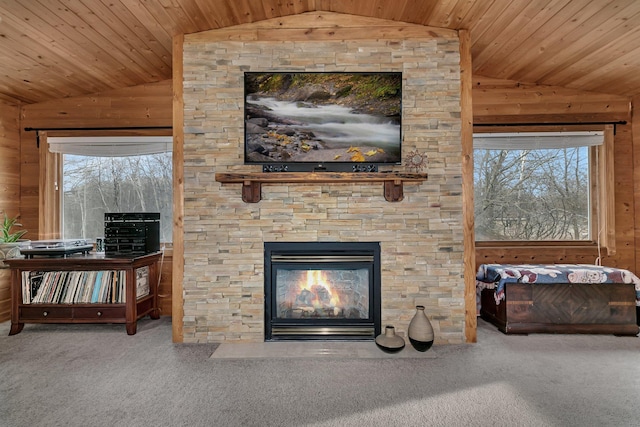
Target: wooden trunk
(563,308)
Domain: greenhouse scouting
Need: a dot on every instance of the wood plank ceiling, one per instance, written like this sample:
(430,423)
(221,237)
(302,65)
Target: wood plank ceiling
(51,49)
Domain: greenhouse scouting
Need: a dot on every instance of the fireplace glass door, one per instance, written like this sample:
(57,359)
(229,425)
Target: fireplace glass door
(331,293)
(316,294)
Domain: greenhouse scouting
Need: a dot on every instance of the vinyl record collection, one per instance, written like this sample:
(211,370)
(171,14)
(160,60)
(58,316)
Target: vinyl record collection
(80,287)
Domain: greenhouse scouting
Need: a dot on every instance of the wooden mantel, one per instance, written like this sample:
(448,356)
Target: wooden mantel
(252,182)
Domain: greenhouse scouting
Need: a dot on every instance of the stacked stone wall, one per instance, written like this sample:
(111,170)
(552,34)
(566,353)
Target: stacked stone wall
(421,237)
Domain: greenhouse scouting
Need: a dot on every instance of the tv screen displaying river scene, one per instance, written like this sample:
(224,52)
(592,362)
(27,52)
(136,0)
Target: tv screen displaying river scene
(323,118)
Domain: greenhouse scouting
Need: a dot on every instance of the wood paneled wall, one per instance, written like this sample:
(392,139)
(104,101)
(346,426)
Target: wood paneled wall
(9,187)
(138,106)
(509,102)
(164,287)
(9,159)
(506,101)
(635,131)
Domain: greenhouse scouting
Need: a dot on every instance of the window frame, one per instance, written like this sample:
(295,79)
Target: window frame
(601,192)
(50,194)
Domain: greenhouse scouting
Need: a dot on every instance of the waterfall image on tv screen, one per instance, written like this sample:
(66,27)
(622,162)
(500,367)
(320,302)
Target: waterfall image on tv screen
(320,118)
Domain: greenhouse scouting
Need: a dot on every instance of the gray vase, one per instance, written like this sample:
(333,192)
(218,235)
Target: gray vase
(420,331)
(388,341)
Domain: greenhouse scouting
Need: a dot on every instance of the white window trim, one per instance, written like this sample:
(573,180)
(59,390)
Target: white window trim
(536,140)
(110,146)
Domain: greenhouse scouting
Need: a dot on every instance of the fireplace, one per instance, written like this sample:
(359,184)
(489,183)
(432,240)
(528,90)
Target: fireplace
(322,290)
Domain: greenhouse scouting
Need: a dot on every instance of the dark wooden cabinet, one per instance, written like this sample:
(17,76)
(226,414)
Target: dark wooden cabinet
(134,308)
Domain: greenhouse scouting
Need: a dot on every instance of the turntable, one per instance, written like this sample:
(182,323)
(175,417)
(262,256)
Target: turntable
(56,248)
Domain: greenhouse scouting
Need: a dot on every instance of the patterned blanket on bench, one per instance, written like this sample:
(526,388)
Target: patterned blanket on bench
(496,276)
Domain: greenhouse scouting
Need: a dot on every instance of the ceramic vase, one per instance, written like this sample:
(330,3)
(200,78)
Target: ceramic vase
(388,341)
(420,330)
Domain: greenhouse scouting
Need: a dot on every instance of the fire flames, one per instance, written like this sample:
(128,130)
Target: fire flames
(316,293)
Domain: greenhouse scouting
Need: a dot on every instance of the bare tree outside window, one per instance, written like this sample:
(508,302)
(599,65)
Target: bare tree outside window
(532,195)
(96,185)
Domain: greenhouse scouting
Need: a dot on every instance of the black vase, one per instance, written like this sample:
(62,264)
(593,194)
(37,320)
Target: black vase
(420,330)
(388,341)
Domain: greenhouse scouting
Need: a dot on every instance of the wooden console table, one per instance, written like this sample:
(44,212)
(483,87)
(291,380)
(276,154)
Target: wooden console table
(252,182)
(129,312)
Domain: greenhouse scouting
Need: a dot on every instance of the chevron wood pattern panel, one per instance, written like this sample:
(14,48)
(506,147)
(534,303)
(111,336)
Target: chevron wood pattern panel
(563,308)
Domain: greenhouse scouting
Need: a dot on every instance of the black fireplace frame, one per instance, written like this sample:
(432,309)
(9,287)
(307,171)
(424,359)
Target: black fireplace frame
(286,254)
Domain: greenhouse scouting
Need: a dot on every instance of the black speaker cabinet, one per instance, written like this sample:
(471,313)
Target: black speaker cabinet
(131,233)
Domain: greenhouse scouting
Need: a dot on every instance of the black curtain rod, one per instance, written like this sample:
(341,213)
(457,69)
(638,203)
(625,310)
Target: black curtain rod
(103,128)
(37,130)
(621,122)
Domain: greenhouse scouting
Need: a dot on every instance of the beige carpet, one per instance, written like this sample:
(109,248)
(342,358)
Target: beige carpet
(97,375)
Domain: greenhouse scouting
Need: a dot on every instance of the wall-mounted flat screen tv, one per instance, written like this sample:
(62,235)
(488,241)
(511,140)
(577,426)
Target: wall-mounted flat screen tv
(334,121)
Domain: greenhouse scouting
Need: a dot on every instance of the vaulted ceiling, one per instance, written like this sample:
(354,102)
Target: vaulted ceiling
(51,49)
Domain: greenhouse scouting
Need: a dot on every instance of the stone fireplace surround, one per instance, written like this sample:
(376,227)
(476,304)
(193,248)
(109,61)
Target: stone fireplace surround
(421,237)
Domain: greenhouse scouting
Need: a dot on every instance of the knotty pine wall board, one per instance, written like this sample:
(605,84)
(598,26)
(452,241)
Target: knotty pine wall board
(9,189)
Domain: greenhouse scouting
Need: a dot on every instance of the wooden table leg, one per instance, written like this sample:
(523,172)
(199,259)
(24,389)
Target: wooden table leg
(132,328)
(16,328)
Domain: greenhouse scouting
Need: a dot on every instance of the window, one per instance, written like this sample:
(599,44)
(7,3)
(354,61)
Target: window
(540,186)
(122,174)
